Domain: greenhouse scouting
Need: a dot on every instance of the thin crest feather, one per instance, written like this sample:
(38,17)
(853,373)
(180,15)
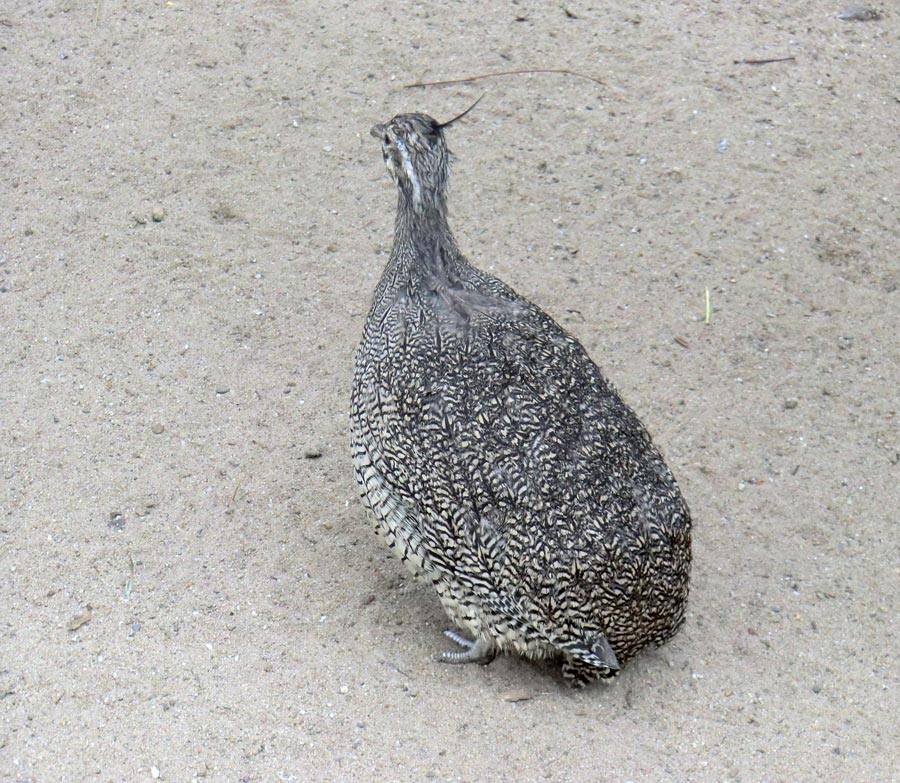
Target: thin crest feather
(460,116)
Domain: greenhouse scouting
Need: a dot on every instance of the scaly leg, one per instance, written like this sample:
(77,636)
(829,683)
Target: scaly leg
(480,651)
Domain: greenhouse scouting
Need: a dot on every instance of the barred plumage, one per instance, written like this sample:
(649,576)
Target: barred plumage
(497,461)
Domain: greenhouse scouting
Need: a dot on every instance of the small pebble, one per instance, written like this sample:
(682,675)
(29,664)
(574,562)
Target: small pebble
(144,505)
(154,773)
(157,214)
(222,390)
(859,13)
(817,688)
(157,429)
(223,212)
(312,453)
(790,403)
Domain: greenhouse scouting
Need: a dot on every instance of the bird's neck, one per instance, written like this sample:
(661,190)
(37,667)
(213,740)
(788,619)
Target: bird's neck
(423,242)
(423,219)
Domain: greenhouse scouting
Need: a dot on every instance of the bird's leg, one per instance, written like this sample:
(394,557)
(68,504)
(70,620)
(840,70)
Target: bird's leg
(480,651)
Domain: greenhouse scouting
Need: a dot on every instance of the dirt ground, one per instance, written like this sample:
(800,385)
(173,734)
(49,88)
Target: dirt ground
(193,219)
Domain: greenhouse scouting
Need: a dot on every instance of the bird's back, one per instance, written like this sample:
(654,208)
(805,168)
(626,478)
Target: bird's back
(526,478)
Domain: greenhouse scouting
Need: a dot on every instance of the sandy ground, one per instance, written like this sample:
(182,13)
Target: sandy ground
(193,219)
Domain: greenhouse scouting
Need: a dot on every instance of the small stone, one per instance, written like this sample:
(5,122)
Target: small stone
(817,687)
(790,403)
(82,619)
(344,690)
(859,13)
(154,773)
(157,429)
(312,453)
(157,214)
(144,505)
(223,212)
(222,390)
(515,694)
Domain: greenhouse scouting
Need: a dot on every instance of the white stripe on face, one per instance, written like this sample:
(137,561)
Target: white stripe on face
(410,172)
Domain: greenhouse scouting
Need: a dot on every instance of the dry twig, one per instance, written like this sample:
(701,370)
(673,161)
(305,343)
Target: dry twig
(765,61)
(505,73)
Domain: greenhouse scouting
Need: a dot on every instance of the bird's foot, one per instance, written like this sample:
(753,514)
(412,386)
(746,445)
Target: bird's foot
(480,651)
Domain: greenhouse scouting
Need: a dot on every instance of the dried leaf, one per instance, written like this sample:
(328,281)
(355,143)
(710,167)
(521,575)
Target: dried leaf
(81,619)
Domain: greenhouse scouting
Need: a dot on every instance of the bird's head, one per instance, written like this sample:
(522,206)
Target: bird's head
(417,157)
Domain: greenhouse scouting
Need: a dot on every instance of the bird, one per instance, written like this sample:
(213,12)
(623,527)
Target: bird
(496,460)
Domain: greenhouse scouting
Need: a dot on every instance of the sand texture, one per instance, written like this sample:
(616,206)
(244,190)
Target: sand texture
(192,219)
